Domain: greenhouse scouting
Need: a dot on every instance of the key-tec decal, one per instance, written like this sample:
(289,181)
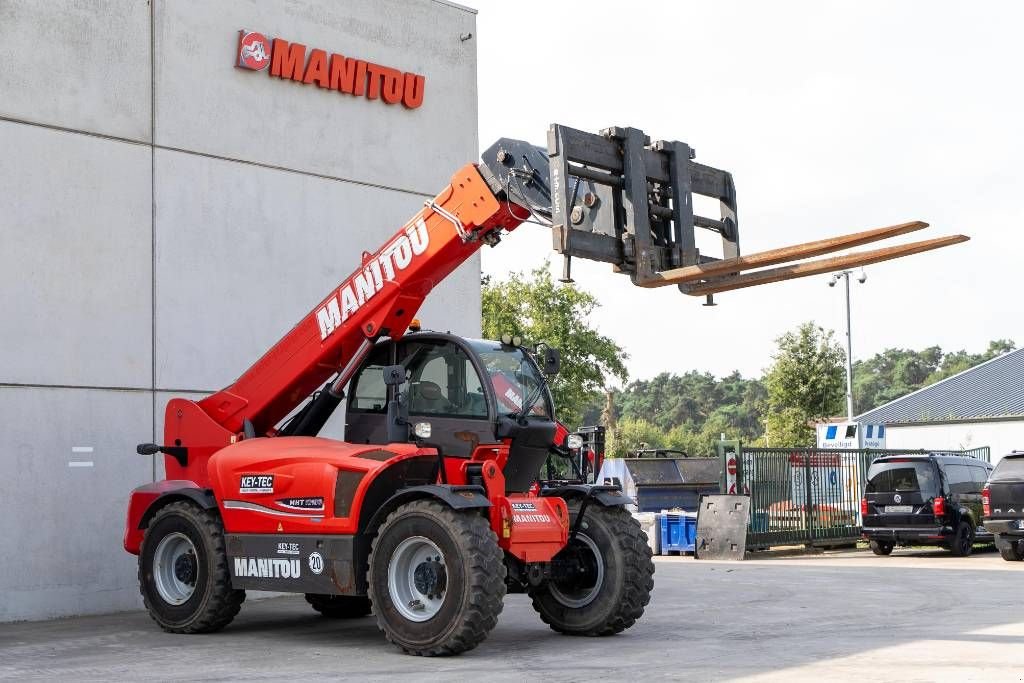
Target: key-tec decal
(393,258)
(256,483)
(333,71)
(523,506)
(267,568)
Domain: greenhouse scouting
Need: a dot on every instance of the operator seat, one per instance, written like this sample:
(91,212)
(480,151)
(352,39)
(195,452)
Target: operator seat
(426,397)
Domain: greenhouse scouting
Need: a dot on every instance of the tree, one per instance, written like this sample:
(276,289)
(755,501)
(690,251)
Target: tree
(806,383)
(540,310)
(631,435)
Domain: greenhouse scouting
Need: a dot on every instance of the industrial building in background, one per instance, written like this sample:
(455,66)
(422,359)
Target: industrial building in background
(981,406)
(140,157)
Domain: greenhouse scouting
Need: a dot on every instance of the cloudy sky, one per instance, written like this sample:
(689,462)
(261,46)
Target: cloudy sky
(833,118)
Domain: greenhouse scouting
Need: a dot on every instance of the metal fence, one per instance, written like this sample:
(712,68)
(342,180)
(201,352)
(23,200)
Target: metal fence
(807,496)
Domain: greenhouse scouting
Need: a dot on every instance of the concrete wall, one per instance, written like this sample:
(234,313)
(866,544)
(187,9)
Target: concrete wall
(165,217)
(1001,437)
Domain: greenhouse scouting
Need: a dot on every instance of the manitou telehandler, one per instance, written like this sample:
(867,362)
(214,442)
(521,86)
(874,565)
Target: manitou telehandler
(432,508)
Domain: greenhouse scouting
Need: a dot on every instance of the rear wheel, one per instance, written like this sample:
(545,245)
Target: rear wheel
(1009,550)
(881,547)
(340,606)
(436,579)
(963,541)
(183,571)
(603,577)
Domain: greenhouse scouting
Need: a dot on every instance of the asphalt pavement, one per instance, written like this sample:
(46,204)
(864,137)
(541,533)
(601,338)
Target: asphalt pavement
(916,615)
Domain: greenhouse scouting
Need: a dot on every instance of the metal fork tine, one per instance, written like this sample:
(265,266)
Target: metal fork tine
(828,265)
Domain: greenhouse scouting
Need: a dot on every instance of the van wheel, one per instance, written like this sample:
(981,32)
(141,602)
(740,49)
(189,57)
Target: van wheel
(1009,550)
(881,547)
(963,541)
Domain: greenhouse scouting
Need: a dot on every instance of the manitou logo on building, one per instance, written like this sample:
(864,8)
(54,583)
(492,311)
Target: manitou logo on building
(329,71)
(362,286)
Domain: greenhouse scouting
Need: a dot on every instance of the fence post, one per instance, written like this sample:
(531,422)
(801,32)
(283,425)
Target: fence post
(808,509)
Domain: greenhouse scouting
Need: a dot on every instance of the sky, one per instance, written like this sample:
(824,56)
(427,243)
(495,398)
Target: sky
(833,117)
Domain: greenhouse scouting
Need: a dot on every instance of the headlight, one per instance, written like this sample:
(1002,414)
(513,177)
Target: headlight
(421,430)
(574,441)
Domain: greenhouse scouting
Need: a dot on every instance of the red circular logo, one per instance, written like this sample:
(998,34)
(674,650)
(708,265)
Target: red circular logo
(253,51)
(732,465)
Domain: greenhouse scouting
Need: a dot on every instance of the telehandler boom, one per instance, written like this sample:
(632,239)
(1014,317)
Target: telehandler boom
(433,507)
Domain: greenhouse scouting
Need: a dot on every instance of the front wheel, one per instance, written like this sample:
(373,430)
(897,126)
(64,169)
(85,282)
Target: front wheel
(963,541)
(436,579)
(183,571)
(602,579)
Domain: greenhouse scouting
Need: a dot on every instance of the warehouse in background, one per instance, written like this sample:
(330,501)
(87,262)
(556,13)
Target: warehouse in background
(982,406)
(177,194)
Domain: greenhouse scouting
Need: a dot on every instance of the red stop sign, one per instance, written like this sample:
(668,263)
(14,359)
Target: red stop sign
(731,465)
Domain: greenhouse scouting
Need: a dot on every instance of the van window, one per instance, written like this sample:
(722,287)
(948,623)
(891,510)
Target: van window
(1009,469)
(851,431)
(959,479)
(907,476)
(980,475)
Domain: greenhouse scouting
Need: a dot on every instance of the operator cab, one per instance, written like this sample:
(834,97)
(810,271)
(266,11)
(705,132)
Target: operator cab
(470,391)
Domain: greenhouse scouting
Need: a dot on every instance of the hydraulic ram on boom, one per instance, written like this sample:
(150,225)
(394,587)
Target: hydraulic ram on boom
(446,440)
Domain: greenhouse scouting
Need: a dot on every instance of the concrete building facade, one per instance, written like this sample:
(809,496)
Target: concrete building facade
(165,216)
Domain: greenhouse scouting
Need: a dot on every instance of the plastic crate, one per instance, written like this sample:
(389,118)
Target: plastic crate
(650,525)
(678,532)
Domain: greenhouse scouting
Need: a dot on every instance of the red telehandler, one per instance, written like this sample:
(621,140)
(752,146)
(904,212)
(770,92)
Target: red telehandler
(433,507)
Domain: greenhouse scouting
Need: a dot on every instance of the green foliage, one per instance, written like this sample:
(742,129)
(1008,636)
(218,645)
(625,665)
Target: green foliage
(806,383)
(631,434)
(690,411)
(540,310)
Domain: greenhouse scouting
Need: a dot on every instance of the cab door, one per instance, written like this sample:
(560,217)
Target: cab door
(443,387)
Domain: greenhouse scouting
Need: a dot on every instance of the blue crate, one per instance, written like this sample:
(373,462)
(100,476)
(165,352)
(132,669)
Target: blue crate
(678,533)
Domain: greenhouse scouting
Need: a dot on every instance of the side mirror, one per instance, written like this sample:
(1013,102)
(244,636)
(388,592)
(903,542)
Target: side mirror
(552,361)
(394,375)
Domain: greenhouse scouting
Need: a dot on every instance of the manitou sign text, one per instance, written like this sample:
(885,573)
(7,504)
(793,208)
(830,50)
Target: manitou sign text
(329,71)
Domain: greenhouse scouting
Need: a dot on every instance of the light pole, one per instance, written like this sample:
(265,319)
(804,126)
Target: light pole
(849,336)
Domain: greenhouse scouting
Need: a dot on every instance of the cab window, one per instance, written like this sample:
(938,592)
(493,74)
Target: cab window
(369,394)
(441,381)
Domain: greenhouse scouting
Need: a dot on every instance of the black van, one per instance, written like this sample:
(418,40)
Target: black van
(932,499)
(1004,506)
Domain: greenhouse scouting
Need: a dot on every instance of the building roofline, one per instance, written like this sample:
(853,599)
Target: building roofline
(965,420)
(932,386)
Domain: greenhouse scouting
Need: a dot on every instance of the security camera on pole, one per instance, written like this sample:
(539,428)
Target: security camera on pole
(849,337)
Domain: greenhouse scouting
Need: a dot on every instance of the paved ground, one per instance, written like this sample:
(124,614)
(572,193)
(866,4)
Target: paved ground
(843,616)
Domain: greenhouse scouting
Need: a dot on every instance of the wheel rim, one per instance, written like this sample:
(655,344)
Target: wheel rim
(582,589)
(417,578)
(175,568)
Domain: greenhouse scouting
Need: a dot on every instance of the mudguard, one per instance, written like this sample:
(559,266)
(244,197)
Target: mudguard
(456,497)
(609,496)
(146,500)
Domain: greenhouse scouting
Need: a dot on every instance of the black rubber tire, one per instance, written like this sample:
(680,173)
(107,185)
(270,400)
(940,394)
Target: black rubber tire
(214,603)
(475,567)
(963,541)
(1009,550)
(628,577)
(340,606)
(881,547)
